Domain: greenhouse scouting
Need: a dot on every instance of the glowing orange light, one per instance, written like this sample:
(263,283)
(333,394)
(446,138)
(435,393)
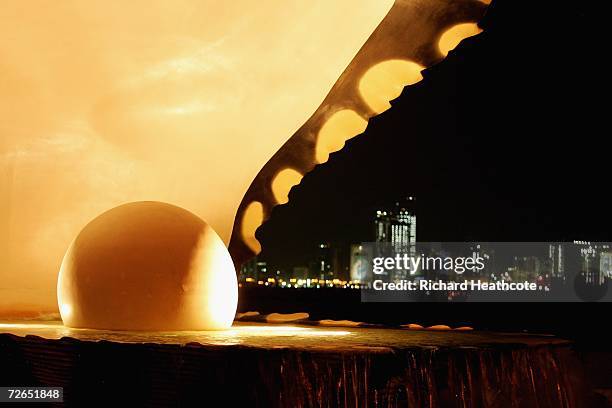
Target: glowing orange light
(386,80)
(340,127)
(454,35)
(251,220)
(283,182)
(147,266)
(181,103)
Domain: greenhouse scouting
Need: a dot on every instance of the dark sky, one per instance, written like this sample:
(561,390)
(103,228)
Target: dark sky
(505,140)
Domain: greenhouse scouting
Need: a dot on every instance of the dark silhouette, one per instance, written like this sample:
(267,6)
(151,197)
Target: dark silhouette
(499,142)
(504,140)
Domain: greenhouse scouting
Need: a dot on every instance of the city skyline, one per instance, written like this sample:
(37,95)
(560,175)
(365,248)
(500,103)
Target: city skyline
(348,265)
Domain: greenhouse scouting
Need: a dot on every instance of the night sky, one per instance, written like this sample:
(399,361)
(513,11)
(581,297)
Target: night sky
(504,140)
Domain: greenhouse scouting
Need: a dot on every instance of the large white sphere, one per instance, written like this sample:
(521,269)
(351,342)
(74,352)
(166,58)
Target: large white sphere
(147,266)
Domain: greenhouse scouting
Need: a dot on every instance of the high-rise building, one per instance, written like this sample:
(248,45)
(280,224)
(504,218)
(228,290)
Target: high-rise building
(360,265)
(556,258)
(397,225)
(605,264)
(323,264)
(591,261)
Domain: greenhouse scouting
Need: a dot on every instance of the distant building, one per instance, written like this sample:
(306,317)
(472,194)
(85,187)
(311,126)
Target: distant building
(300,273)
(487,254)
(253,270)
(605,264)
(591,261)
(322,269)
(341,259)
(556,261)
(397,225)
(526,268)
(360,265)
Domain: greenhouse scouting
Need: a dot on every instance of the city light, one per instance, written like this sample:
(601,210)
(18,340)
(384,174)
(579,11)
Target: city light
(351,266)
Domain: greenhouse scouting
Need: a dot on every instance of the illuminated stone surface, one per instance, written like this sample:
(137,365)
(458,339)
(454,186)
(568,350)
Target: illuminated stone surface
(147,266)
(295,366)
(294,336)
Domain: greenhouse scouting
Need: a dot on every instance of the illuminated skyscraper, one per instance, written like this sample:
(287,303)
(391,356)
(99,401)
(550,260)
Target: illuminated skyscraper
(591,261)
(605,264)
(556,256)
(398,226)
(323,264)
